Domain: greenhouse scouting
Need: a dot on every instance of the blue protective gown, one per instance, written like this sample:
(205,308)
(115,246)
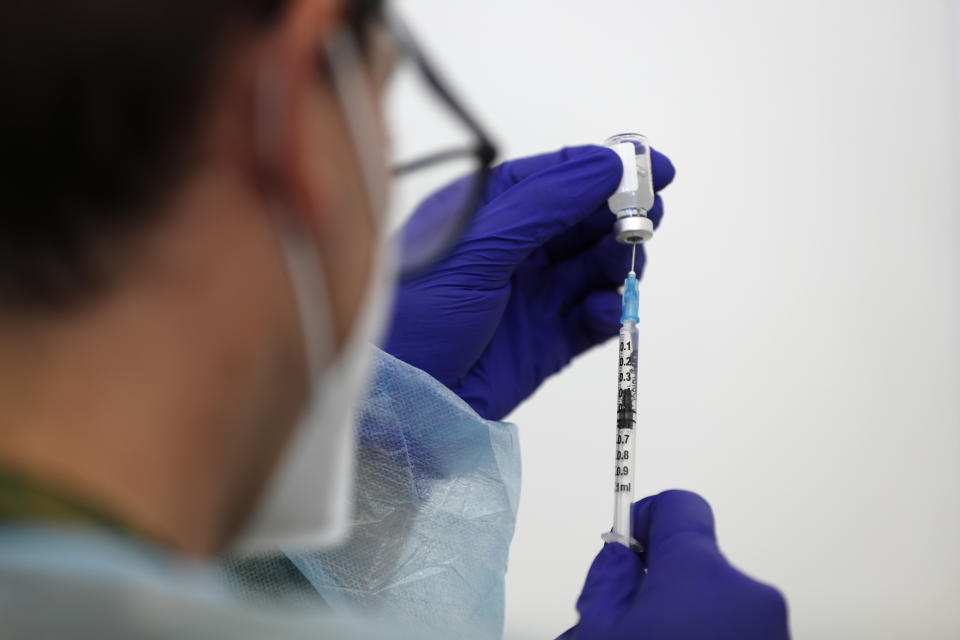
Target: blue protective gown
(434,516)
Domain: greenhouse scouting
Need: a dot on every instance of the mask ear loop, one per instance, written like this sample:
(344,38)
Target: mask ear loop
(304,267)
(356,100)
(319,458)
(300,254)
(357,105)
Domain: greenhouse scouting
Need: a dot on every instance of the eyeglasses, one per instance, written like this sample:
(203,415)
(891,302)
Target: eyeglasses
(439,225)
(440,220)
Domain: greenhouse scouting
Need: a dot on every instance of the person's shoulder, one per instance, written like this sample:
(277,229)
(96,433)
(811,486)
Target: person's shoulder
(61,583)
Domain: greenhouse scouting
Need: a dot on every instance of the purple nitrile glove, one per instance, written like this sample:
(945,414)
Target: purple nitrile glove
(681,587)
(532,283)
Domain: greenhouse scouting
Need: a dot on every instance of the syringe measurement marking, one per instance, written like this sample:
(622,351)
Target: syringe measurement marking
(626,414)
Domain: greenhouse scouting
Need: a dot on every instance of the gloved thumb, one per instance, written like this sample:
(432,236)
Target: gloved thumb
(676,528)
(610,586)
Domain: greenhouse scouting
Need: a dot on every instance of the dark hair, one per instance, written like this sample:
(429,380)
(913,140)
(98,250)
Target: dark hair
(98,100)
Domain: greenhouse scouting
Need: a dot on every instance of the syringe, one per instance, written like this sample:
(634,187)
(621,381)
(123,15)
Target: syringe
(631,203)
(626,417)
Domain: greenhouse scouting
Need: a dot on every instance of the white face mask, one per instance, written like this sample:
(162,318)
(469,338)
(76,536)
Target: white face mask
(307,503)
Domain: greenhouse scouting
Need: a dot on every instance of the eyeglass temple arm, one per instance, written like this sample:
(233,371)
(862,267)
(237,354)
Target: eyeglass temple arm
(437,157)
(485,150)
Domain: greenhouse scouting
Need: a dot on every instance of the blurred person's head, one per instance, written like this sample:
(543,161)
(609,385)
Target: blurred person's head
(152,347)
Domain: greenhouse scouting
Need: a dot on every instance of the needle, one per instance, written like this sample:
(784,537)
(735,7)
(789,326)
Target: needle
(633,258)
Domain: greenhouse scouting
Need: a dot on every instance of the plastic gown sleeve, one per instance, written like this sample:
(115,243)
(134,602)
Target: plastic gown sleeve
(436,503)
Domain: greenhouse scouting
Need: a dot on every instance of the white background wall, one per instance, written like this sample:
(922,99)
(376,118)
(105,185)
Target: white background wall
(801,308)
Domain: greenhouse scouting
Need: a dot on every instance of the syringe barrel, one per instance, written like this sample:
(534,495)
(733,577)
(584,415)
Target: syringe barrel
(626,431)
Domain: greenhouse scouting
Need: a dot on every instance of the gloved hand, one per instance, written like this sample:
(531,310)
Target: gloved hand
(532,284)
(680,587)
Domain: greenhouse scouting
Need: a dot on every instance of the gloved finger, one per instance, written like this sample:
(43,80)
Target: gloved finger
(602,266)
(570,634)
(610,586)
(437,208)
(592,321)
(543,205)
(676,529)
(662,169)
(512,172)
(656,213)
(580,237)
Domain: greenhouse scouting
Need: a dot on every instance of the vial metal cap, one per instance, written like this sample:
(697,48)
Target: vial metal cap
(633,229)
